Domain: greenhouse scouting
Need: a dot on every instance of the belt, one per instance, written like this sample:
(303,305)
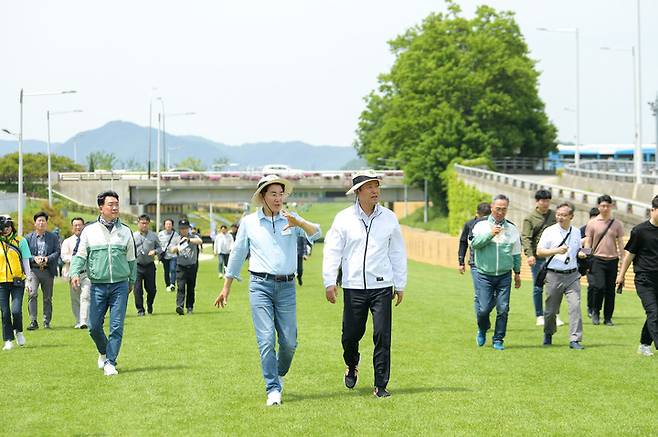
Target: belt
(275,278)
(563,272)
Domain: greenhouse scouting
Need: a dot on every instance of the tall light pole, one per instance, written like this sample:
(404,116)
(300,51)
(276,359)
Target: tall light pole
(20,149)
(50,183)
(637,155)
(654,111)
(576,32)
(159,162)
(638,162)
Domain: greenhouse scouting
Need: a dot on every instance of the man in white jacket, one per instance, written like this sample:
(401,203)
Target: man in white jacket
(365,244)
(80,296)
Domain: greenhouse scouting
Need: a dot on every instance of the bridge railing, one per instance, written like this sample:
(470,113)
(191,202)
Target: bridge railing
(627,206)
(618,171)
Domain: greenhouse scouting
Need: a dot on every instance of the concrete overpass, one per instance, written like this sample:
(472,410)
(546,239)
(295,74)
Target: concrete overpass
(187,188)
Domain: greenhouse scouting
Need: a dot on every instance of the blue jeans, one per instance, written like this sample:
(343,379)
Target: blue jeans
(537,291)
(475,290)
(223,262)
(273,309)
(12,317)
(115,297)
(493,291)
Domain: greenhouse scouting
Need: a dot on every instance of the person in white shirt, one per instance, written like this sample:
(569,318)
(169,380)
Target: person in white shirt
(222,248)
(80,296)
(366,244)
(561,244)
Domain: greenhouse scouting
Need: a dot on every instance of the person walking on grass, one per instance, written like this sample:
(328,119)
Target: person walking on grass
(366,244)
(483,210)
(107,253)
(222,248)
(187,266)
(497,246)
(642,251)
(80,297)
(147,247)
(560,244)
(44,246)
(169,239)
(269,235)
(14,269)
(533,226)
(604,235)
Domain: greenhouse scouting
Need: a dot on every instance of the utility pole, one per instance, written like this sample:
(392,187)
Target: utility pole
(654,111)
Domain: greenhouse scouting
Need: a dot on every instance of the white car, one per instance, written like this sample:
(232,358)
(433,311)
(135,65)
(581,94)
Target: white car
(282,170)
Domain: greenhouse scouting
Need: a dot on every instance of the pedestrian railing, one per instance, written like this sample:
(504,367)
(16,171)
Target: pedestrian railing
(627,206)
(618,171)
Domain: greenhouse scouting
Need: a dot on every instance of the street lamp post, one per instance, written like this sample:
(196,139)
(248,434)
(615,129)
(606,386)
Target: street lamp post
(50,183)
(20,148)
(637,155)
(576,32)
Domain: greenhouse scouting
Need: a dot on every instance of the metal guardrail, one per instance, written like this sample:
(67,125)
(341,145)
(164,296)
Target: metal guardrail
(618,171)
(628,206)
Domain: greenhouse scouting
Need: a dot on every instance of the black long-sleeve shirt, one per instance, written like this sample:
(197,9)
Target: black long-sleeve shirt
(465,239)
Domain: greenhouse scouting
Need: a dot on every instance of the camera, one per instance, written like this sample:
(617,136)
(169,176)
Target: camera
(5,221)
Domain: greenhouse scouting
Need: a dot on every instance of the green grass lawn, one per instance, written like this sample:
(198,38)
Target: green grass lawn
(200,374)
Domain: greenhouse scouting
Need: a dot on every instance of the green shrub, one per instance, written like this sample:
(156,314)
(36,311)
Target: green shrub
(462,199)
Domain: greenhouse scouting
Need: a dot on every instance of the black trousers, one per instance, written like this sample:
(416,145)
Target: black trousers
(602,280)
(590,294)
(646,286)
(185,282)
(357,303)
(145,280)
(300,266)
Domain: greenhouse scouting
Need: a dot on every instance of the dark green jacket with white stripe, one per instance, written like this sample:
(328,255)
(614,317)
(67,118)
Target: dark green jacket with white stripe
(108,257)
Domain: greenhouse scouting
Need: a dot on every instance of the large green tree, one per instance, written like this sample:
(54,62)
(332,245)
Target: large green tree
(35,166)
(458,88)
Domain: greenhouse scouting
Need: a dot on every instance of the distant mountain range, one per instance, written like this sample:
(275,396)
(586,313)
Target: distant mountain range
(129,142)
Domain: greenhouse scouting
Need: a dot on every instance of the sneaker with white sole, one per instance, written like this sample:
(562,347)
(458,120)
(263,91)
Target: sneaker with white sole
(645,350)
(110,370)
(540,320)
(101,361)
(273,398)
(8,345)
(20,338)
(558,321)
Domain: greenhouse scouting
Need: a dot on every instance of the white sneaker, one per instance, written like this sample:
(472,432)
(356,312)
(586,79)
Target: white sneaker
(10,345)
(76,326)
(540,320)
(273,398)
(558,322)
(110,370)
(101,361)
(645,350)
(20,338)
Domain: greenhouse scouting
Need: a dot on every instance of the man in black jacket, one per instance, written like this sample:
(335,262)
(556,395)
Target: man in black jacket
(44,247)
(483,210)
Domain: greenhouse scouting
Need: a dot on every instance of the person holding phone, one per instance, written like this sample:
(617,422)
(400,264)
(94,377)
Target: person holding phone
(187,267)
(561,244)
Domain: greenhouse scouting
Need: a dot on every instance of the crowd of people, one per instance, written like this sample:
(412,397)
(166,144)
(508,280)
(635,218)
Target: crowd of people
(558,254)
(364,254)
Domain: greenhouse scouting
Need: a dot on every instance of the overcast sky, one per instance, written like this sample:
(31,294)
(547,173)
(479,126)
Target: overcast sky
(290,69)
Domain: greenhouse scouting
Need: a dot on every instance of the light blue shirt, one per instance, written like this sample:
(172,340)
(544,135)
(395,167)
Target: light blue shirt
(272,250)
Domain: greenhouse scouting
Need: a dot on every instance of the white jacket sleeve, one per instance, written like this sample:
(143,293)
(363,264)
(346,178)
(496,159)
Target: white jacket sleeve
(334,243)
(398,256)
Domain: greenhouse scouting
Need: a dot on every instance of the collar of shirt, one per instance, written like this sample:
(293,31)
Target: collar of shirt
(278,216)
(493,221)
(360,213)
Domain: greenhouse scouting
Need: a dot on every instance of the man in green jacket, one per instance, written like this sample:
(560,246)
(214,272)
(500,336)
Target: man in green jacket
(106,252)
(497,247)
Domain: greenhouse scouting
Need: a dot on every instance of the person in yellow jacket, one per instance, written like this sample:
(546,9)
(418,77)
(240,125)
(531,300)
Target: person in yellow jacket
(14,267)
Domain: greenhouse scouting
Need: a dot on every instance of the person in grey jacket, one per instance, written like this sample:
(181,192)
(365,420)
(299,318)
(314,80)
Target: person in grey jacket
(147,246)
(186,267)
(44,247)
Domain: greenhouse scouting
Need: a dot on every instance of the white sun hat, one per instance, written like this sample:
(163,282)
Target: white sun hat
(362,177)
(264,182)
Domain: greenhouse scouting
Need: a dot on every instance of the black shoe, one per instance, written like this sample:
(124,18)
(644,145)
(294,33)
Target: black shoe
(180,311)
(381,392)
(140,313)
(595,318)
(46,325)
(83,326)
(33,325)
(548,339)
(608,323)
(149,309)
(351,376)
(299,281)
